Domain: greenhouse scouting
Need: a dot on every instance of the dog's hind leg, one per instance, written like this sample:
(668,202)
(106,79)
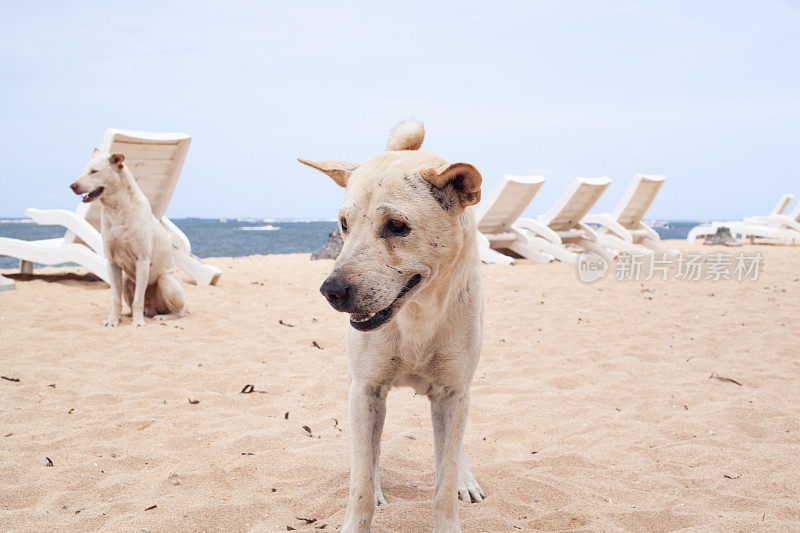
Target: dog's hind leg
(170,291)
(449,410)
(367,413)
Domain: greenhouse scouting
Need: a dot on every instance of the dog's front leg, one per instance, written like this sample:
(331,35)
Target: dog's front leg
(137,306)
(115,277)
(449,410)
(367,412)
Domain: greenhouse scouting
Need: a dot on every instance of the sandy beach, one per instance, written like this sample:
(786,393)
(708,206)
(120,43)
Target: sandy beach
(592,407)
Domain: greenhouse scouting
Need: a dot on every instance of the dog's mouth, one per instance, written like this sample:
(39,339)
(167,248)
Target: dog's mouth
(369,322)
(88,197)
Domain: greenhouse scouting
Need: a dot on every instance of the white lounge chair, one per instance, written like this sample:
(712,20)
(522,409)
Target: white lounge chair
(773,226)
(497,214)
(156,160)
(562,225)
(623,230)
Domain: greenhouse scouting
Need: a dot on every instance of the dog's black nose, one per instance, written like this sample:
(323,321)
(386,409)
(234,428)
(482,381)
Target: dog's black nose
(336,291)
(74,187)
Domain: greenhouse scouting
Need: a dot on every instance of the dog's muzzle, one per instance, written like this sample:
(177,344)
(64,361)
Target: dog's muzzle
(339,294)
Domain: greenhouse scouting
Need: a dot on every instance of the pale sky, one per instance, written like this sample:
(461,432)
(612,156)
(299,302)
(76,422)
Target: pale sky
(705,93)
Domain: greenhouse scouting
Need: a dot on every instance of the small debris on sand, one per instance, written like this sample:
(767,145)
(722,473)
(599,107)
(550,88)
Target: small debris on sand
(151,507)
(282,323)
(247,389)
(716,376)
(15,380)
(194,402)
(48,461)
(308,429)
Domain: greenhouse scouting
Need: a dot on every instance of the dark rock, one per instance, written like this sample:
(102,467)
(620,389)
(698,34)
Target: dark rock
(332,248)
(722,236)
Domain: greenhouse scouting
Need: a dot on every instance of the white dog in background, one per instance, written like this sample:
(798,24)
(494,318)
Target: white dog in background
(409,276)
(137,246)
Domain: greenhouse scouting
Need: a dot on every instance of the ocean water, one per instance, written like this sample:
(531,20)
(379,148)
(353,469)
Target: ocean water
(209,237)
(240,237)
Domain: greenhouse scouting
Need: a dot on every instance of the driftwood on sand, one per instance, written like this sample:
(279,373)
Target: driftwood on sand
(332,248)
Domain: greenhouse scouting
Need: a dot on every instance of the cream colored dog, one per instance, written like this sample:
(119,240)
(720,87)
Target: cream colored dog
(409,276)
(137,246)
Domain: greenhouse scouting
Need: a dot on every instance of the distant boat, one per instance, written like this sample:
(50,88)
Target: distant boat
(657,224)
(265,227)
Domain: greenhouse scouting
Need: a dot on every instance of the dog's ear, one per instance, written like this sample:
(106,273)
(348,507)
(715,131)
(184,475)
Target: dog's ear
(117,159)
(455,186)
(338,170)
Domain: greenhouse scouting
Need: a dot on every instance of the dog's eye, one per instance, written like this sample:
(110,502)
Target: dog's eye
(396,228)
(93,172)
(343,224)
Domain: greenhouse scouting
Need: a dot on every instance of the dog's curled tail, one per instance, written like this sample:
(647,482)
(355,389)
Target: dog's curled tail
(408,135)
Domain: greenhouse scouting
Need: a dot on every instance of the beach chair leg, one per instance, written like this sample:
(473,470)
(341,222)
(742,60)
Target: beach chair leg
(528,252)
(615,243)
(25,267)
(556,250)
(598,249)
(203,273)
(490,256)
(657,246)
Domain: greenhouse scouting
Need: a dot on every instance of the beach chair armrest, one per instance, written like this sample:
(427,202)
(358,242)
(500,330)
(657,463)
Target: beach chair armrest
(179,239)
(537,227)
(79,226)
(588,233)
(790,223)
(651,233)
(605,221)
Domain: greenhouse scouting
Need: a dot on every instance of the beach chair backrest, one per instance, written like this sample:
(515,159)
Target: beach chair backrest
(637,199)
(504,205)
(795,214)
(575,203)
(154,159)
(783,203)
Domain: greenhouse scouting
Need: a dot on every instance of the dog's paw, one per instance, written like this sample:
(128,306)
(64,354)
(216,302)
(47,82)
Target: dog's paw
(468,489)
(111,322)
(137,322)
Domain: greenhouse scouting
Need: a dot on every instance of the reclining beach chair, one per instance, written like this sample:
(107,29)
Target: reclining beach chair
(497,214)
(562,225)
(156,160)
(776,225)
(623,229)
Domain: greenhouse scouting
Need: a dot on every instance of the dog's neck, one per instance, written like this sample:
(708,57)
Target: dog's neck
(420,318)
(127,197)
